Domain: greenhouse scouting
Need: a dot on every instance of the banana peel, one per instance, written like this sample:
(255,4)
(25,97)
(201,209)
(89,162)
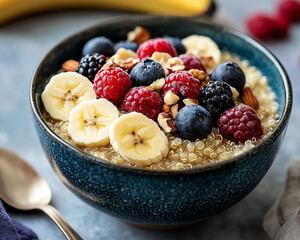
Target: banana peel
(13,9)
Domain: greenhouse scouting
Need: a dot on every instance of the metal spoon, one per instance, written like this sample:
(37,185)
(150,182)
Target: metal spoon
(23,188)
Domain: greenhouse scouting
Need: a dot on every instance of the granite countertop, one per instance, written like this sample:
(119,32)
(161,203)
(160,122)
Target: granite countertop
(23,44)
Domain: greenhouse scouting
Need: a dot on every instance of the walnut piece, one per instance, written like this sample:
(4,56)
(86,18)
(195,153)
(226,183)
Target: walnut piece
(170,98)
(123,58)
(165,121)
(190,101)
(174,111)
(163,59)
(175,64)
(138,35)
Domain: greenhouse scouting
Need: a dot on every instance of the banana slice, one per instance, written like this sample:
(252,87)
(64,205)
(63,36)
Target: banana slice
(90,120)
(64,92)
(204,48)
(138,139)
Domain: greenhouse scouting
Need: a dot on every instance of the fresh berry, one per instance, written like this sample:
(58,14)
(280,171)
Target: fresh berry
(239,124)
(193,122)
(230,73)
(261,26)
(177,44)
(282,25)
(182,84)
(146,49)
(142,100)
(101,45)
(112,84)
(191,62)
(90,65)
(290,9)
(216,97)
(146,72)
(127,45)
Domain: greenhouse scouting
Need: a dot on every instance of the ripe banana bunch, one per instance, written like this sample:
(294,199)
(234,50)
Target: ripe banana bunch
(11,9)
(64,92)
(204,48)
(138,139)
(90,120)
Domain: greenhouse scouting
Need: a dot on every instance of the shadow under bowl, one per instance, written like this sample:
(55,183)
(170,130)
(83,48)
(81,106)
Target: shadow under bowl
(161,198)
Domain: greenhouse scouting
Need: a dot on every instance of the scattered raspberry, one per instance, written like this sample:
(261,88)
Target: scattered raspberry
(239,124)
(191,62)
(112,84)
(142,100)
(155,45)
(182,83)
(216,97)
(261,26)
(290,9)
(282,25)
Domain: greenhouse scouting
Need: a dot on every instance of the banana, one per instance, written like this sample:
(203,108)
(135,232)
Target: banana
(138,139)
(12,9)
(64,92)
(90,120)
(204,48)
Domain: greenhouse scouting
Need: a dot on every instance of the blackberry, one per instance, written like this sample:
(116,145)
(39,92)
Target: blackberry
(216,97)
(90,65)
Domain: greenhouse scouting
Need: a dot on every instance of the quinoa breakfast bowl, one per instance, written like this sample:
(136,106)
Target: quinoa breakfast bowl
(193,125)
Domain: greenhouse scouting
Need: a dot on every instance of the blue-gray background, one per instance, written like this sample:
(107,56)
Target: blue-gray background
(23,44)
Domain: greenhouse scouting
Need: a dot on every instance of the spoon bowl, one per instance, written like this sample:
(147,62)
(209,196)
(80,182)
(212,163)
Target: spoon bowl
(23,188)
(30,190)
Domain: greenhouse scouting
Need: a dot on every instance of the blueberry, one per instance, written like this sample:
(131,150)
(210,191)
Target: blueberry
(177,44)
(231,73)
(101,45)
(193,122)
(127,45)
(146,72)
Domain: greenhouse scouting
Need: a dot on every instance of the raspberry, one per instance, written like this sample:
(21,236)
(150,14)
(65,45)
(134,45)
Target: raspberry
(216,97)
(261,26)
(155,45)
(290,9)
(142,100)
(90,64)
(182,83)
(191,62)
(281,29)
(112,84)
(239,124)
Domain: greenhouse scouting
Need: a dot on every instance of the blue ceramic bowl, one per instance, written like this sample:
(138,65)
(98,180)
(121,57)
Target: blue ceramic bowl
(161,198)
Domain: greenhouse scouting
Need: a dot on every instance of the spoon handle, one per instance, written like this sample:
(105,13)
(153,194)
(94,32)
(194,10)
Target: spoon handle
(66,229)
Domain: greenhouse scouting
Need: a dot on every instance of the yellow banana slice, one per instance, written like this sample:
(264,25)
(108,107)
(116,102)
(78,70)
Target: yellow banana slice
(64,92)
(138,139)
(90,120)
(204,48)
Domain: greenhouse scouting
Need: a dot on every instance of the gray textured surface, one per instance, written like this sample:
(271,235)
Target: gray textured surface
(22,46)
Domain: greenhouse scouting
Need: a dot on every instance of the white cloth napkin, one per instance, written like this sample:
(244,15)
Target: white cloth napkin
(282,221)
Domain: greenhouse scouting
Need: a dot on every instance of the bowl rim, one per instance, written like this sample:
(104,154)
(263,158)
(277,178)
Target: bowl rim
(214,166)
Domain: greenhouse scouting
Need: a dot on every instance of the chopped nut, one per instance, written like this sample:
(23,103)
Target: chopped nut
(190,101)
(174,111)
(158,84)
(70,65)
(175,64)
(109,63)
(124,58)
(249,99)
(163,59)
(150,88)
(200,75)
(166,122)
(138,35)
(235,93)
(170,98)
(166,108)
